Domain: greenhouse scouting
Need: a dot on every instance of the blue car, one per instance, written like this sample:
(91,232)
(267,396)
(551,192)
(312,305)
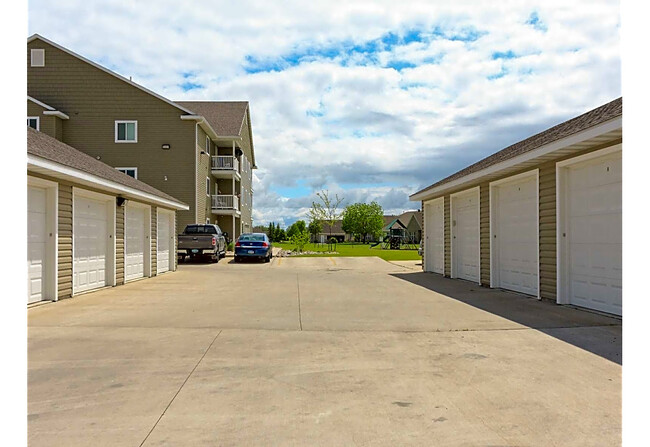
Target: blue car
(253,245)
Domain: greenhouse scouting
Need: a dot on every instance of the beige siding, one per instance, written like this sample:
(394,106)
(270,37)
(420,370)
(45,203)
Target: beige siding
(447,236)
(50,125)
(119,245)
(246,180)
(94,99)
(202,172)
(65,241)
(485,233)
(154,241)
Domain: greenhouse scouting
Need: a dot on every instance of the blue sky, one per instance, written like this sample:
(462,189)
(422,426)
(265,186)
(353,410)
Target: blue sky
(363,99)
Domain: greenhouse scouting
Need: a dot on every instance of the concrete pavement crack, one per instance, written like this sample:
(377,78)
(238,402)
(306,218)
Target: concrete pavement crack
(179,390)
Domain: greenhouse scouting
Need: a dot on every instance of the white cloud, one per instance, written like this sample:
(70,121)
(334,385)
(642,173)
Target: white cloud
(338,120)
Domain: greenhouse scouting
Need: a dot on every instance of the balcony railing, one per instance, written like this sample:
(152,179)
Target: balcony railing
(225,202)
(225,163)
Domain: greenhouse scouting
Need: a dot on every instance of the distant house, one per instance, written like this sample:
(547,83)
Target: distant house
(407,224)
(336,232)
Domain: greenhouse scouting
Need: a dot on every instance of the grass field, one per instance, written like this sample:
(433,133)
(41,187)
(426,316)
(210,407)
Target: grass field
(350,249)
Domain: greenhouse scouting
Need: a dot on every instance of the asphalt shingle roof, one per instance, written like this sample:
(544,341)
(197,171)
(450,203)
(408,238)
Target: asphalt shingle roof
(225,117)
(580,123)
(44,146)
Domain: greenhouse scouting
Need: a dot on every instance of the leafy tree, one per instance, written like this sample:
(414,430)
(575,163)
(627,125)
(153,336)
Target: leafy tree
(363,219)
(297,227)
(326,210)
(300,239)
(280,234)
(271,233)
(315,228)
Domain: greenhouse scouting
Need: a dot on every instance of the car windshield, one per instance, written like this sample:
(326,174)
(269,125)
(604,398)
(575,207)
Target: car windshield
(251,237)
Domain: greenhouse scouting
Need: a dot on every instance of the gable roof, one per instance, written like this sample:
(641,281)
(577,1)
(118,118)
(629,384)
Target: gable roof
(42,147)
(188,113)
(228,118)
(599,115)
(406,217)
(392,223)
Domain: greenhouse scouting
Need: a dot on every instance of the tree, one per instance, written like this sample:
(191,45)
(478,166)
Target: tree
(315,228)
(326,210)
(363,219)
(271,233)
(297,227)
(300,239)
(280,234)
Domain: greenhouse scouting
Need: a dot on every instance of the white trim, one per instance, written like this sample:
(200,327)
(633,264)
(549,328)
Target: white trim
(200,120)
(91,180)
(42,104)
(495,281)
(196,171)
(111,252)
(207,186)
(469,191)
(595,131)
(146,269)
(31,57)
(117,122)
(38,122)
(207,145)
(106,70)
(561,216)
(56,113)
(119,168)
(51,289)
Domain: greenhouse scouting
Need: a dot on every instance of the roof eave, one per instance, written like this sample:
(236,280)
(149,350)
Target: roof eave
(578,137)
(58,170)
(203,123)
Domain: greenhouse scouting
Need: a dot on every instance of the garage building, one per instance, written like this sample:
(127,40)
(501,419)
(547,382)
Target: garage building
(542,217)
(90,225)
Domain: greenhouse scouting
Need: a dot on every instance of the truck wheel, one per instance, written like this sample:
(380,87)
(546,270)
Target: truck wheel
(215,258)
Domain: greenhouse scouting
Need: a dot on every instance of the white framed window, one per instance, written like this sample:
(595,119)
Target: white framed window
(38,57)
(131,172)
(207,186)
(34,122)
(207,145)
(207,221)
(126,131)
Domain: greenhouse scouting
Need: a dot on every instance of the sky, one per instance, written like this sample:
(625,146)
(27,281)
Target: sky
(364,99)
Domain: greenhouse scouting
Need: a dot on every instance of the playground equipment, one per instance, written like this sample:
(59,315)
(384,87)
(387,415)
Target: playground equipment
(396,241)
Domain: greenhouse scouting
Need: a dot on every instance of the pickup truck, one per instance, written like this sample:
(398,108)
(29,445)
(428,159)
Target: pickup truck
(199,240)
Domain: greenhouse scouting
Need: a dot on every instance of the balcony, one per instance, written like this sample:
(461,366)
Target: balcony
(225,204)
(225,166)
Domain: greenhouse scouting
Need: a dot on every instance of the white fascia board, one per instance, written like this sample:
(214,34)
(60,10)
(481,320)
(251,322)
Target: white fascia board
(100,183)
(203,123)
(42,104)
(608,126)
(106,70)
(56,113)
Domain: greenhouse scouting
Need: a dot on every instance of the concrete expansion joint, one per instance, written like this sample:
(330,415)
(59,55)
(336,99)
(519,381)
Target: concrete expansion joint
(181,387)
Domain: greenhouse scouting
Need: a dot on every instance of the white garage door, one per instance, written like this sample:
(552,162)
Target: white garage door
(465,236)
(594,211)
(90,244)
(36,242)
(515,227)
(435,236)
(134,242)
(164,242)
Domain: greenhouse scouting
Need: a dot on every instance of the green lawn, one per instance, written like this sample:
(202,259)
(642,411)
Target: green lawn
(350,249)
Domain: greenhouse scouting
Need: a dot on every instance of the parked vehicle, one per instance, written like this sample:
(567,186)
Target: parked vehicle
(253,245)
(202,240)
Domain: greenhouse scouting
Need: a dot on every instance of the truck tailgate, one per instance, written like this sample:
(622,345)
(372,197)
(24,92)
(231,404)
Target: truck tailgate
(194,241)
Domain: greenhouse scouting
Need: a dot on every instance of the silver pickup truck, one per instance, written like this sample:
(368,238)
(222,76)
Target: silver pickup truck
(202,240)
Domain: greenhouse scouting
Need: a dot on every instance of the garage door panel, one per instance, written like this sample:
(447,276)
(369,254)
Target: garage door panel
(90,243)
(163,243)
(36,242)
(594,221)
(515,225)
(466,237)
(135,242)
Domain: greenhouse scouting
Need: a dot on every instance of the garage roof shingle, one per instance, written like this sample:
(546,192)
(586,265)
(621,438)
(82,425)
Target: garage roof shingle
(44,146)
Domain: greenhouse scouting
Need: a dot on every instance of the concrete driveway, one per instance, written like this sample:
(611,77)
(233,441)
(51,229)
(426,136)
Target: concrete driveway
(319,352)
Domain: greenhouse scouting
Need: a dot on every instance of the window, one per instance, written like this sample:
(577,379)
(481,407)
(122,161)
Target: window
(207,145)
(131,172)
(38,57)
(126,131)
(207,221)
(207,186)
(33,122)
